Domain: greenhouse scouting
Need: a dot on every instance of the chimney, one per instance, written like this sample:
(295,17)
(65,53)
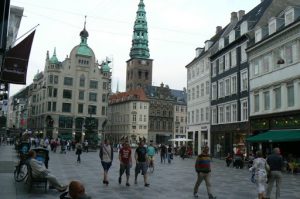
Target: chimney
(241,13)
(218,29)
(234,17)
(198,51)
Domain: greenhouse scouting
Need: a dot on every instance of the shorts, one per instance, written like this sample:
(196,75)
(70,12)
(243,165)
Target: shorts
(126,168)
(141,166)
(106,165)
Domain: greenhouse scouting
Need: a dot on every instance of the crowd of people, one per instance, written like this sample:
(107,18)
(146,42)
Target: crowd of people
(266,171)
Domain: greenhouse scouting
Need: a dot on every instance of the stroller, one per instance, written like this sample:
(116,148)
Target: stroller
(63,147)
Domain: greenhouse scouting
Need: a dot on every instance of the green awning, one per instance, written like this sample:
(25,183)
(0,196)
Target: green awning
(276,136)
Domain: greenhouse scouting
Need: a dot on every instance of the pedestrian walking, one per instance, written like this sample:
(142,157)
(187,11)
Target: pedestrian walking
(78,151)
(275,161)
(125,162)
(141,163)
(203,170)
(260,168)
(170,154)
(106,156)
(163,152)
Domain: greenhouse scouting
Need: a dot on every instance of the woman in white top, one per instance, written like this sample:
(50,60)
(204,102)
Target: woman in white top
(106,156)
(259,167)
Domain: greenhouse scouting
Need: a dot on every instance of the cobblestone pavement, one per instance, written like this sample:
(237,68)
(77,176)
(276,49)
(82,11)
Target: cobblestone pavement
(175,180)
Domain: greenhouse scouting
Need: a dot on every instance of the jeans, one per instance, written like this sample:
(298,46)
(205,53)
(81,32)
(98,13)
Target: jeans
(274,176)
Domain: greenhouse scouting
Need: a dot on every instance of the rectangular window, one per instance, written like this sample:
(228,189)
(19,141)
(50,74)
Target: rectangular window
(134,106)
(243,53)
(233,58)
(140,118)
(54,92)
(227,61)
(193,93)
(66,107)
(290,95)
(290,53)
(214,116)
(68,81)
(50,79)
(93,97)
(197,116)
(67,94)
(221,114)
(221,89)
(266,63)
(228,113)
(227,87)
(234,113)
(201,114)
(267,100)
(53,106)
(244,110)
(202,89)
(81,95)
(134,118)
(221,65)
(277,92)
(82,82)
(93,84)
(214,91)
(207,113)
(214,68)
(207,87)
(289,17)
(80,108)
(244,80)
(55,79)
(104,86)
(92,109)
(49,106)
(255,67)
(197,91)
(256,102)
(233,84)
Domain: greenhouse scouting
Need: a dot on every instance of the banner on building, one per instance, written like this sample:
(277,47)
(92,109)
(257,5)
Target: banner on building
(16,61)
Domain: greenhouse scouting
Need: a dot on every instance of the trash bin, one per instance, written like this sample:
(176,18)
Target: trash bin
(42,154)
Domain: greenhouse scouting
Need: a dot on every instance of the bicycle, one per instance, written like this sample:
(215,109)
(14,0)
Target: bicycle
(21,170)
(151,164)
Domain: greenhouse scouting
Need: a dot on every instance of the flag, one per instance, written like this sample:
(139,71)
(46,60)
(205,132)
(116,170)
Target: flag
(15,63)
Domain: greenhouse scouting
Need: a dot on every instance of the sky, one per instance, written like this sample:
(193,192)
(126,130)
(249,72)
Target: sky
(175,29)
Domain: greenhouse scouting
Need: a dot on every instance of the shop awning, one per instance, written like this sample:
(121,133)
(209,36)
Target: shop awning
(277,136)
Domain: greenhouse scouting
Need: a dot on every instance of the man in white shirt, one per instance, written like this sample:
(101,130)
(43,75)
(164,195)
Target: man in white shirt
(39,170)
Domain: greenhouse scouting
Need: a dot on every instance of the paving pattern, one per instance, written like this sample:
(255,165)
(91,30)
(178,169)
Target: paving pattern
(175,180)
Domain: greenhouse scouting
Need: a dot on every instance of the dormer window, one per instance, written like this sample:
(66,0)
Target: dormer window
(289,16)
(258,35)
(232,36)
(244,27)
(272,26)
(221,43)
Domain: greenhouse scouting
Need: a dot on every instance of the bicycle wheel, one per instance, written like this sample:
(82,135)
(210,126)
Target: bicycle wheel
(21,172)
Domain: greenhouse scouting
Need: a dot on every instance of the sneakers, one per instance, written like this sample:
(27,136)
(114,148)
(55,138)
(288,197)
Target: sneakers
(196,195)
(147,185)
(127,184)
(120,180)
(210,196)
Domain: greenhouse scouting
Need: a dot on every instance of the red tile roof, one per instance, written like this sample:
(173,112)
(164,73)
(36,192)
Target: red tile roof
(132,95)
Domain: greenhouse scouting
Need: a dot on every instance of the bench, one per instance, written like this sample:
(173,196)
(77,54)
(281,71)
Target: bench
(35,181)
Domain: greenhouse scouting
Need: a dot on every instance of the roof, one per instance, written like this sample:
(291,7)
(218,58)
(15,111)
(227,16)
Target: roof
(132,95)
(165,93)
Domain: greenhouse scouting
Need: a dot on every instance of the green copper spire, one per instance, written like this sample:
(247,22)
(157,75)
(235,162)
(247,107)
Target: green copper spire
(83,47)
(139,47)
(53,59)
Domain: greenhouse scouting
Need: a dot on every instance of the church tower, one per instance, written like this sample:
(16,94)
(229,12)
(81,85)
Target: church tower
(139,66)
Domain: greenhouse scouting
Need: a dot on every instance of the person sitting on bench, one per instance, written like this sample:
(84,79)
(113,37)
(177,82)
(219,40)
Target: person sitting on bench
(39,170)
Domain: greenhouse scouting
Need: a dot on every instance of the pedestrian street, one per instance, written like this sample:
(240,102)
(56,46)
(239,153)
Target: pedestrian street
(175,180)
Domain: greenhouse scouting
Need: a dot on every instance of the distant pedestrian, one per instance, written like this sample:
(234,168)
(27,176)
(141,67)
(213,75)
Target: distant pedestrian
(275,161)
(106,156)
(259,167)
(203,170)
(78,151)
(163,153)
(141,162)
(86,146)
(125,162)
(170,154)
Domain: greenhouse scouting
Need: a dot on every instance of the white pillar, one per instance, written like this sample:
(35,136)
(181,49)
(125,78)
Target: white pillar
(284,103)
